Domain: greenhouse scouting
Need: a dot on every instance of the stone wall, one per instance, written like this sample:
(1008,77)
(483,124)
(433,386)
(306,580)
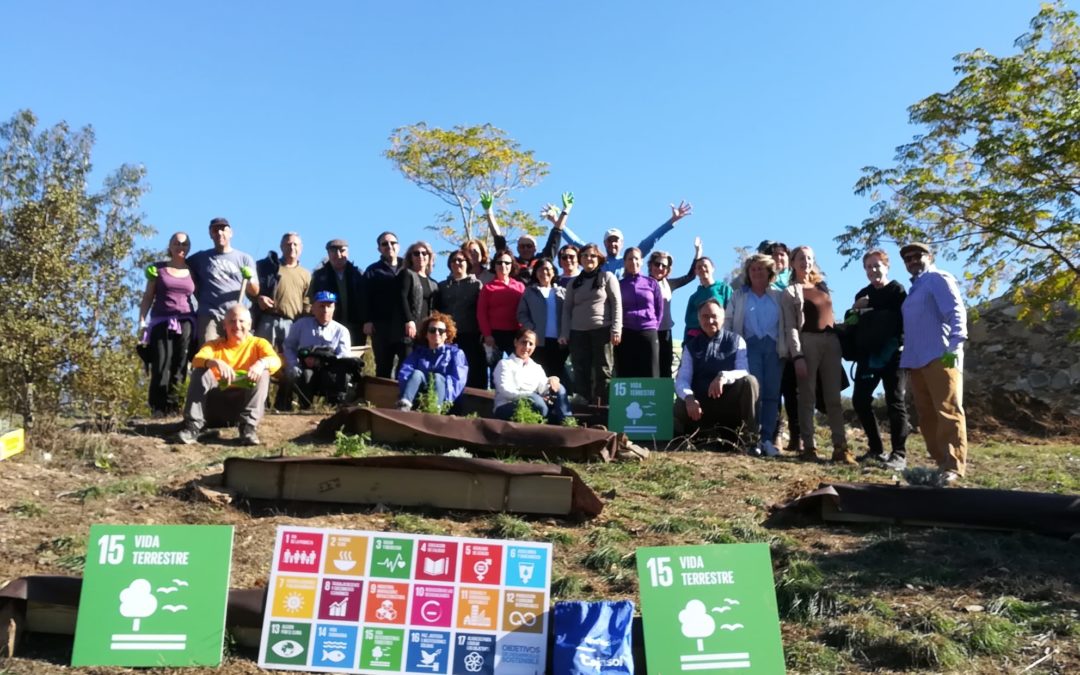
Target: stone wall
(1022,375)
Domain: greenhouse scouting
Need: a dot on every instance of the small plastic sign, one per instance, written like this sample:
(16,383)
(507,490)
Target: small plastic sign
(154,595)
(642,407)
(12,443)
(383,602)
(709,608)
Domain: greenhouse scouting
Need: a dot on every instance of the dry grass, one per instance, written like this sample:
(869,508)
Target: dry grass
(853,599)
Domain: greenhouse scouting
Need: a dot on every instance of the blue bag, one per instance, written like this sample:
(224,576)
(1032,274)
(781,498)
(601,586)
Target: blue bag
(593,638)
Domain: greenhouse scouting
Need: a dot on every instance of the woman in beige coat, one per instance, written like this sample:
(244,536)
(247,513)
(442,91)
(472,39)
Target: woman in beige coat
(815,349)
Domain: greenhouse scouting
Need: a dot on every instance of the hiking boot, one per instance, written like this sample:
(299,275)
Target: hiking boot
(187,436)
(896,462)
(808,455)
(841,454)
(248,435)
(404,405)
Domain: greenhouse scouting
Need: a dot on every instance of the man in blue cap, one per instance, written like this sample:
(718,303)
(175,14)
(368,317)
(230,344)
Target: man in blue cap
(317,356)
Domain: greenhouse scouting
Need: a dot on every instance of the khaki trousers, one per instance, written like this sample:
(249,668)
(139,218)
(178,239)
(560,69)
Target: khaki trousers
(939,400)
(822,354)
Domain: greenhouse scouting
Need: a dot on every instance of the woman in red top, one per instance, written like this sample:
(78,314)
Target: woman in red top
(496,309)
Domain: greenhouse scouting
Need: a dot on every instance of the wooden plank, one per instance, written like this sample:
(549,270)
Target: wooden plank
(338,483)
(540,494)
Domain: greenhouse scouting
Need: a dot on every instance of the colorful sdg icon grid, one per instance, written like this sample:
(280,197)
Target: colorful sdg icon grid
(374,602)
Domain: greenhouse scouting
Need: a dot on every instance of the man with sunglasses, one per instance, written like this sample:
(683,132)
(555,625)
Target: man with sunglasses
(381,298)
(935,329)
(338,275)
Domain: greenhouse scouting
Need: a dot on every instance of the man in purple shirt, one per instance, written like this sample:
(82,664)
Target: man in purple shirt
(935,327)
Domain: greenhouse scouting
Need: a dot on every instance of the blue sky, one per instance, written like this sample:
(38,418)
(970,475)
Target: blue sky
(276,114)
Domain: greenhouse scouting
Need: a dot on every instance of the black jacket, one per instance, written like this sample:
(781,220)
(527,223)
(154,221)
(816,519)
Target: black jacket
(325,279)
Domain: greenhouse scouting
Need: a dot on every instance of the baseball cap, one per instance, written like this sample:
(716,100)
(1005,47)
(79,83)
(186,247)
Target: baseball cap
(613,232)
(219,222)
(325,296)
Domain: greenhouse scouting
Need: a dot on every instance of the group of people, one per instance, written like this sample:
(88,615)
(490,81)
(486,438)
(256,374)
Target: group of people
(555,323)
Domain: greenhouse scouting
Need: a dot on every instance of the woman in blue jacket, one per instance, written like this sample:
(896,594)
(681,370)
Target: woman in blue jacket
(435,362)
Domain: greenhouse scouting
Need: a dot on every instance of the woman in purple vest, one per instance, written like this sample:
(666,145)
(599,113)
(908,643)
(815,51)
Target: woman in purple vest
(166,323)
(638,353)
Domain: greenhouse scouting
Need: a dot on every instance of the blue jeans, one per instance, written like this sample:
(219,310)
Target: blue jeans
(554,414)
(767,367)
(418,382)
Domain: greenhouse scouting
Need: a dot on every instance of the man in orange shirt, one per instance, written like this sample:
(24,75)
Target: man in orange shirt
(229,379)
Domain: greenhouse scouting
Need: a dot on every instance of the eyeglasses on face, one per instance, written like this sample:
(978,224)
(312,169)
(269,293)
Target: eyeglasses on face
(387,243)
(567,256)
(339,249)
(503,262)
(420,253)
(661,265)
(912,257)
(436,330)
(455,261)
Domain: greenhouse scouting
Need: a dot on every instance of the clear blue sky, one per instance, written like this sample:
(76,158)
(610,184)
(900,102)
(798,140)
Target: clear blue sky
(275,114)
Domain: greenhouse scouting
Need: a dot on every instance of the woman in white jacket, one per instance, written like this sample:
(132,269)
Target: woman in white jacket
(519,377)
(756,313)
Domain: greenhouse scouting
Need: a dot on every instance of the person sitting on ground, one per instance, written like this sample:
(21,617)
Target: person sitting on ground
(519,377)
(435,362)
(714,387)
(318,357)
(240,362)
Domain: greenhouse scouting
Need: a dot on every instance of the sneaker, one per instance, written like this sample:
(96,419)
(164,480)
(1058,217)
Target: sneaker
(768,448)
(248,436)
(187,436)
(896,462)
(754,450)
(950,479)
(404,405)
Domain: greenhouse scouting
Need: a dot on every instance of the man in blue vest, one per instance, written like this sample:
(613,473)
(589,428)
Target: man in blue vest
(714,386)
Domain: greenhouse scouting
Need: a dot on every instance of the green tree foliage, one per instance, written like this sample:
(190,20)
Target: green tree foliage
(68,263)
(995,179)
(457,164)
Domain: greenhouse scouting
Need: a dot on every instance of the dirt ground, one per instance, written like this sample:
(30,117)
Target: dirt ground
(891,575)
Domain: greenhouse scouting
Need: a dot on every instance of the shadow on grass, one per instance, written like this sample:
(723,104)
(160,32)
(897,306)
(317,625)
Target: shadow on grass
(989,563)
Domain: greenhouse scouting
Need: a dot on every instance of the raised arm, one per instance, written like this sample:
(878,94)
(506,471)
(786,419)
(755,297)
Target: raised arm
(487,201)
(679,282)
(679,212)
(558,221)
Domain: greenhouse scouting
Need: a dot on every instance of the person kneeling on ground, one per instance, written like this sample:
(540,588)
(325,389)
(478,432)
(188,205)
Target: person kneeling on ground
(519,377)
(438,363)
(317,357)
(230,380)
(713,385)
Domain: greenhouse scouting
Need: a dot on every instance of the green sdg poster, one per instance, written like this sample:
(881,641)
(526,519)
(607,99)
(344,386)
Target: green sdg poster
(154,595)
(642,407)
(709,608)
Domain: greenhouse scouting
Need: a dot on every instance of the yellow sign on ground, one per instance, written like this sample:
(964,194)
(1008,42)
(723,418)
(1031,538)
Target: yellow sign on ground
(12,443)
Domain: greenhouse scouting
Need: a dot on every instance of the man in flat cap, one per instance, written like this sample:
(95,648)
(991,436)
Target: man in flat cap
(338,275)
(935,328)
